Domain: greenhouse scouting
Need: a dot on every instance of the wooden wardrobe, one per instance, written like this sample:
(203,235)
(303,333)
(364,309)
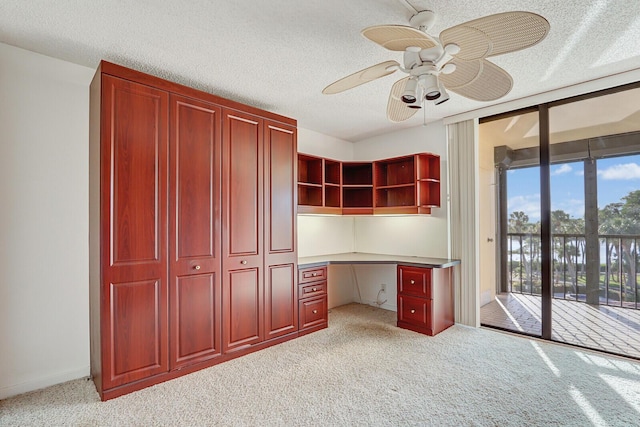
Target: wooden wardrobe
(193,257)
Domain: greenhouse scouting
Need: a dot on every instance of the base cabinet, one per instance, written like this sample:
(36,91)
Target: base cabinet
(425,299)
(312,294)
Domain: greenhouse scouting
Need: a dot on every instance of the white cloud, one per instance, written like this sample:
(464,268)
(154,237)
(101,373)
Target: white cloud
(574,207)
(626,171)
(562,169)
(529,204)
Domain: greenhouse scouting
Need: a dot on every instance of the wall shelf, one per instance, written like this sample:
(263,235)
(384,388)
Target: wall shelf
(402,185)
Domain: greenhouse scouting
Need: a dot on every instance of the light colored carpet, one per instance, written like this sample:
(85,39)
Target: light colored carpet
(363,370)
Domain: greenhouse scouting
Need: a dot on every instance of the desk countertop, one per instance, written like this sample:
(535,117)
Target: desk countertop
(364,258)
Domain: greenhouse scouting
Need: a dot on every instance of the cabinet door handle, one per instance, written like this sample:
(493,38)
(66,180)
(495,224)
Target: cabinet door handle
(413,311)
(243,262)
(197,267)
(413,282)
(315,311)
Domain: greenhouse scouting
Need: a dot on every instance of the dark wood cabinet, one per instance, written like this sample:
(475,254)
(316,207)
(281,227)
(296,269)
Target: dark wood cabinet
(195,230)
(193,257)
(402,185)
(425,299)
(134,211)
(312,294)
(242,220)
(281,239)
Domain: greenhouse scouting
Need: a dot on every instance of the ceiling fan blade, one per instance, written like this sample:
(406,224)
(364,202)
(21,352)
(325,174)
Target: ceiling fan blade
(480,80)
(397,110)
(398,37)
(361,77)
(496,34)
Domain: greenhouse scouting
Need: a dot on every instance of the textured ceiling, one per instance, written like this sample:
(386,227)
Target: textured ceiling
(278,55)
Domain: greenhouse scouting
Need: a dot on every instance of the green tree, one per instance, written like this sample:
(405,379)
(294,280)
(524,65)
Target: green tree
(567,249)
(622,218)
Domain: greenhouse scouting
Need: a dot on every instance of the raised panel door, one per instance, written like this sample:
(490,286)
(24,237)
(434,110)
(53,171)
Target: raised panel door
(242,222)
(134,142)
(242,189)
(195,230)
(280,206)
(195,308)
(138,338)
(243,309)
(281,301)
(280,200)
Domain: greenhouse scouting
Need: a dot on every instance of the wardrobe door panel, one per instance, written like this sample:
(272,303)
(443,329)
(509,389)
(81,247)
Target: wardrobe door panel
(280,189)
(243,309)
(243,169)
(196,310)
(134,135)
(242,220)
(280,254)
(195,230)
(281,300)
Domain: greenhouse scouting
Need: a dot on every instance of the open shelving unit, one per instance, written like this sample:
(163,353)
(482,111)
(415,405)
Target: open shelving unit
(401,185)
(357,188)
(310,181)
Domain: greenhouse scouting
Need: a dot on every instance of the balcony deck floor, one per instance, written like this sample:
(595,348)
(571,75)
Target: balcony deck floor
(607,328)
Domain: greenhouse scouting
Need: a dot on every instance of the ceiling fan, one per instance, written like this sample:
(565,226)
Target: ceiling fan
(455,61)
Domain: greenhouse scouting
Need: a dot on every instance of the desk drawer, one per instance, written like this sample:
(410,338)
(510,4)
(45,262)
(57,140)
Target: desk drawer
(312,311)
(415,311)
(414,281)
(312,274)
(312,290)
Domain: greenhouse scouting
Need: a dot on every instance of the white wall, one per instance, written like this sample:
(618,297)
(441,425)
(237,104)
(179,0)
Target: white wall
(44,327)
(420,235)
(318,234)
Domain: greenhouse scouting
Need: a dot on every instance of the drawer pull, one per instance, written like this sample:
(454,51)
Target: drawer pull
(243,262)
(197,267)
(314,274)
(413,311)
(314,289)
(315,311)
(413,282)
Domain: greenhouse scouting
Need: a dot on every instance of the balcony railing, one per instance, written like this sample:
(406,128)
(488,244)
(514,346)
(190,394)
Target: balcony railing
(618,270)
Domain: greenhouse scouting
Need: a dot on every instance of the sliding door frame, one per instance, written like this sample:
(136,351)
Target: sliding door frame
(545,199)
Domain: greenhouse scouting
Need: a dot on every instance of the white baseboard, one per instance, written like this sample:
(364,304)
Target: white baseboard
(49,380)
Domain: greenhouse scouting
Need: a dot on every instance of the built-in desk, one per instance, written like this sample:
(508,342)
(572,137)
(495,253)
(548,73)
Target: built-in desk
(365,258)
(425,286)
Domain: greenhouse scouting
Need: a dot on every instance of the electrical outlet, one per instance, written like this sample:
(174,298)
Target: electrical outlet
(383,287)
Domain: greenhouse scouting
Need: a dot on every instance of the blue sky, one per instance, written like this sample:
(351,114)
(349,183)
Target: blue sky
(617,176)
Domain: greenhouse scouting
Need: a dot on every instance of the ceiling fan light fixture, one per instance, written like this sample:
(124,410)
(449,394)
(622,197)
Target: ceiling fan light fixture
(409,94)
(444,95)
(429,83)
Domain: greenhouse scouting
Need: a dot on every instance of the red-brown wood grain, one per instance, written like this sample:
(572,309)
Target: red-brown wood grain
(280,253)
(195,230)
(134,135)
(425,299)
(243,222)
(177,283)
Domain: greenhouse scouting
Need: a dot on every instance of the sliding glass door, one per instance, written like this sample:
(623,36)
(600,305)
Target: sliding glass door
(595,217)
(567,215)
(509,149)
